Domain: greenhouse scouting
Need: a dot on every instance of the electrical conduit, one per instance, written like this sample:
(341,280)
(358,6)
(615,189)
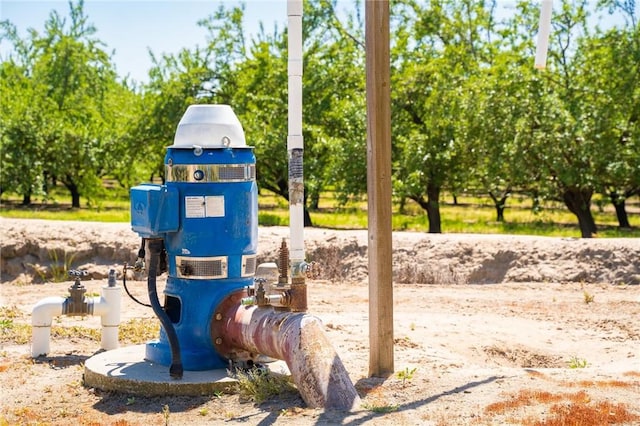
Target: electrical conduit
(176,368)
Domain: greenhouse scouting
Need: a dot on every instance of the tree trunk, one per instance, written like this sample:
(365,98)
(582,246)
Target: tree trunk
(75,194)
(500,204)
(578,201)
(75,199)
(314,201)
(307,218)
(26,199)
(433,208)
(621,211)
(402,204)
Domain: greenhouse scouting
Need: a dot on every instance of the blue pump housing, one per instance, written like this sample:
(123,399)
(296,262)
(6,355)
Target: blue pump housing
(207,215)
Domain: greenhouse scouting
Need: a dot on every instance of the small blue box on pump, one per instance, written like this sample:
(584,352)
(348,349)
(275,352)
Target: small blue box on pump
(154,210)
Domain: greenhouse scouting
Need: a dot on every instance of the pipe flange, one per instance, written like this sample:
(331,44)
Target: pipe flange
(223,344)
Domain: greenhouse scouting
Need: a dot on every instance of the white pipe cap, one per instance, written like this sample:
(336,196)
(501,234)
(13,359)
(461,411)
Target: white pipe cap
(209,126)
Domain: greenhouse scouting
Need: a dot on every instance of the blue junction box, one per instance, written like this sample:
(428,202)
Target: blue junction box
(154,210)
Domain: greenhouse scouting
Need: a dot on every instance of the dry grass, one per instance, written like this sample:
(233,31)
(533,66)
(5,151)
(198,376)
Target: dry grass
(599,413)
(139,330)
(602,384)
(524,398)
(575,409)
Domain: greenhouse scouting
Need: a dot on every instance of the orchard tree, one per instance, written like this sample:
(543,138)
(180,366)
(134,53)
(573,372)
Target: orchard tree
(191,76)
(492,128)
(612,89)
(331,79)
(438,48)
(70,74)
(612,76)
(557,143)
(176,82)
(335,101)
(261,104)
(22,133)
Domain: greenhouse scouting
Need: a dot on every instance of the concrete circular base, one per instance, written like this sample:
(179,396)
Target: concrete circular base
(125,370)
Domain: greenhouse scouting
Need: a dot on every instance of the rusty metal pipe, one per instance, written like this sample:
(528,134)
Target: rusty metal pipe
(296,338)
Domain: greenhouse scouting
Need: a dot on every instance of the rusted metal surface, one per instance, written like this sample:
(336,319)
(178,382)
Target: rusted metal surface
(298,292)
(283,264)
(296,338)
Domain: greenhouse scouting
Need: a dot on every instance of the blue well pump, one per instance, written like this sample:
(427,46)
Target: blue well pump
(203,222)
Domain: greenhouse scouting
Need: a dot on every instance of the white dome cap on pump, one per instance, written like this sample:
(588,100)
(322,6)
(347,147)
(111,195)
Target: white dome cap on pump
(209,126)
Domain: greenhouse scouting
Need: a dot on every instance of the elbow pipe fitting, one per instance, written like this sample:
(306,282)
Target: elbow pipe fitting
(41,317)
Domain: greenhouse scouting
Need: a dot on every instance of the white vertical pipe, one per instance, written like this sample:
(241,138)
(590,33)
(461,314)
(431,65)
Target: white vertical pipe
(108,307)
(544,29)
(295,144)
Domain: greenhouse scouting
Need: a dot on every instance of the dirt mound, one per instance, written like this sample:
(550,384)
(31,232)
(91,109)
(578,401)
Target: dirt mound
(33,250)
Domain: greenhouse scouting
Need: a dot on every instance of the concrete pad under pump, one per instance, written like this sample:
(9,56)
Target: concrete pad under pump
(125,370)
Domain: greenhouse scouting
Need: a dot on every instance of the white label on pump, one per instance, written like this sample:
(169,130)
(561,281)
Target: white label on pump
(211,206)
(194,206)
(215,206)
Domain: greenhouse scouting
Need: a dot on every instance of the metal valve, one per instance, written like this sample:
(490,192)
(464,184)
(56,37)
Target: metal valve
(75,302)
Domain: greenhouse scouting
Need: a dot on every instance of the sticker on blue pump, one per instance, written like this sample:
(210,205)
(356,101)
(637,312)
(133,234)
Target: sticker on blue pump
(199,206)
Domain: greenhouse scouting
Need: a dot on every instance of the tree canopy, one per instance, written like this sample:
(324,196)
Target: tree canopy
(469,111)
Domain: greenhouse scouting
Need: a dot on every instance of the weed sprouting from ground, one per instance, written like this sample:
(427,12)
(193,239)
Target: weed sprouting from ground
(588,297)
(11,330)
(259,385)
(166,413)
(406,375)
(576,362)
(134,331)
(381,409)
(59,269)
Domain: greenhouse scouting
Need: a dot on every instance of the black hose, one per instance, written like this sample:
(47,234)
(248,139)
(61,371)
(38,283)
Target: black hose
(155,247)
(124,283)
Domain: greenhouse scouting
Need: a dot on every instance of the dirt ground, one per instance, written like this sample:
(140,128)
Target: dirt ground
(488,330)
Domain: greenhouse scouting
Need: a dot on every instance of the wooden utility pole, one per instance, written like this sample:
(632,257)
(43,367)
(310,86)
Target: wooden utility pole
(379,187)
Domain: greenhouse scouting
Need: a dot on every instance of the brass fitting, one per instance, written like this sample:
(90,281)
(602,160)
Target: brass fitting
(298,292)
(283,264)
(75,303)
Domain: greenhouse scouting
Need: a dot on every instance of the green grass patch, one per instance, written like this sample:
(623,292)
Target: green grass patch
(12,330)
(468,214)
(109,211)
(259,385)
